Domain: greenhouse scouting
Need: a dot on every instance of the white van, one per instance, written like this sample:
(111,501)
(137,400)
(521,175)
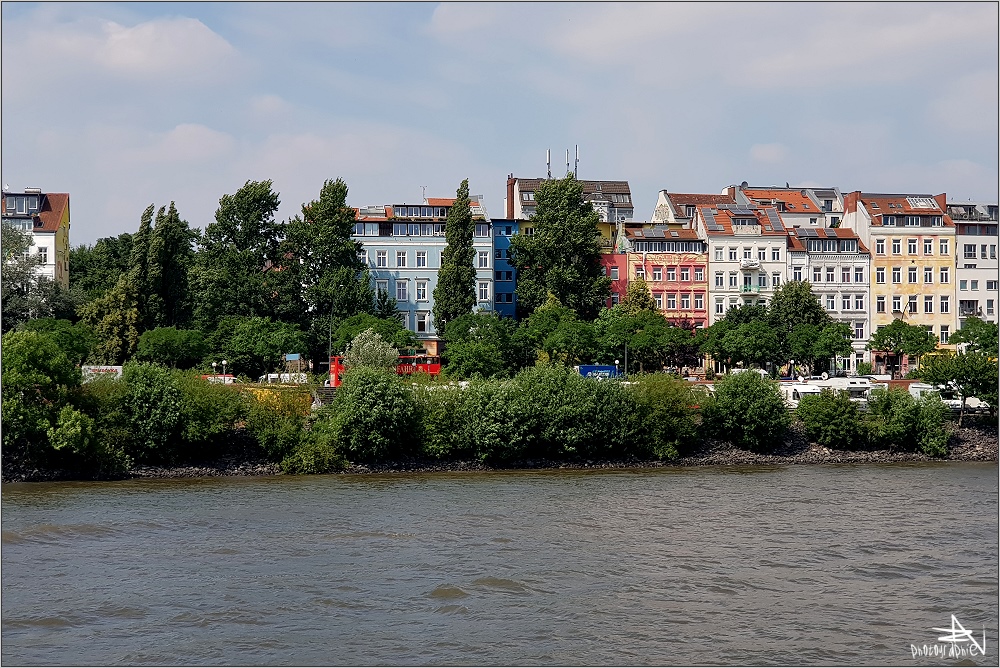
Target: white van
(857,388)
(793,393)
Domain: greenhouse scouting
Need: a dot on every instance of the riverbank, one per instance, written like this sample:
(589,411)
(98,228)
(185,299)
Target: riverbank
(966,444)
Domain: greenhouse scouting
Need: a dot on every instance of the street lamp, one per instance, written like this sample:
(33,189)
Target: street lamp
(214,374)
(617,362)
(223,371)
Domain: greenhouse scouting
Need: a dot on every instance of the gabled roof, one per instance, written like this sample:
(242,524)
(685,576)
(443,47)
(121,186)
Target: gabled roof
(589,187)
(796,201)
(719,220)
(797,236)
(682,200)
(881,204)
(53,207)
(440,201)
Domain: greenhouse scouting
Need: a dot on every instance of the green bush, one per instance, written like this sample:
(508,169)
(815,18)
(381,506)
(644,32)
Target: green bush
(890,420)
(276,421)
(864,369)
(831,419)
(748,411)
(209,412)
(317,451)
(931,434)
(153,411)
(667,409)
(374,416)
(445,430)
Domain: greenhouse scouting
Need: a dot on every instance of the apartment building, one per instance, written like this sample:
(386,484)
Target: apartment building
(504,274)
(747,254)
(674,265)
(402,246)
(677,210)
(837,265)
(976,267)
(46,217)
(616,267)
(912,243)
(799,207)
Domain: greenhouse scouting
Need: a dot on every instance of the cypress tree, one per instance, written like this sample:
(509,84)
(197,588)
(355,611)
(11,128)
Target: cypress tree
(455,293)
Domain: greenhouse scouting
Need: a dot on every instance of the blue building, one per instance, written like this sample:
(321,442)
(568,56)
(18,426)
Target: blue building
(402,246)
(504,276)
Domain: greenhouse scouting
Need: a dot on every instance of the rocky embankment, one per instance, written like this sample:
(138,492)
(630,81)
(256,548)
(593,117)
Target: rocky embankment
(969,444)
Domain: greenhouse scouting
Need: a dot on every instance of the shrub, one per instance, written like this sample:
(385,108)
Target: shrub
(864,369)
(666,407)
(317,451)
(276,420)
(748,411)
(932,436)
(173,347)
(373,415)
(445,428)
(209,411)
(831,419)
(890,419)
(153,412)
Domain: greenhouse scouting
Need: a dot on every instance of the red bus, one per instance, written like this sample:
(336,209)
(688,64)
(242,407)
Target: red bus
(406,365)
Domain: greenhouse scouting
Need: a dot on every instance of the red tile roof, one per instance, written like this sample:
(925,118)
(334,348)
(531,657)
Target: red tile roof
(52,209)
(795,201)
(440,201)
(724,219)
(681,200)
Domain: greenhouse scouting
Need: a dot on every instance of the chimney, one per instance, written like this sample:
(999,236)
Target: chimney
(942,201)
(510,196)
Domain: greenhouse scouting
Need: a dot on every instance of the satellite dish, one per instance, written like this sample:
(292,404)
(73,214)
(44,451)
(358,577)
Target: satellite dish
(824,375)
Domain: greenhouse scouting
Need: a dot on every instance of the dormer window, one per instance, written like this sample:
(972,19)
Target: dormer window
(889,221)
(936,221)
(873,205)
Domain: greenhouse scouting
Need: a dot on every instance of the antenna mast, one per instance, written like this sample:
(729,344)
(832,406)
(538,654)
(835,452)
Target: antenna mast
(567,161)
(423,192)
(548,162)
(576,165)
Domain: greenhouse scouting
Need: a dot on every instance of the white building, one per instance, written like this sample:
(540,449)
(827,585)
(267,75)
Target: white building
(747,254)
(838,267)
(976,269)
(799,207)
(46,217)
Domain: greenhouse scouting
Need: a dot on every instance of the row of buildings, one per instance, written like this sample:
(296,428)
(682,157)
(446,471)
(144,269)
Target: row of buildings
(870,257)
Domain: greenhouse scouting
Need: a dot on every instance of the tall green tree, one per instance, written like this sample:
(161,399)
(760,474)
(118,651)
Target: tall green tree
(22,290)
(900,339)
(637,298)
(562,257)
(455,292)
(972,374)
(238,269)
(794,304)
(169,259)
(333,282)
(95,269)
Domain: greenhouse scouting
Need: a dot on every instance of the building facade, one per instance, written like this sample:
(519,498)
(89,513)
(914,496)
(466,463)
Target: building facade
(799,207)
(46,217)
(976,267)
(402,245)
(837,265)
(504,274)
(674,265)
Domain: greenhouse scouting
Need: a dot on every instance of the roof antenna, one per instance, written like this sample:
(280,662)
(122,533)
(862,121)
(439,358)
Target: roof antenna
(576,165)
(423,190)
(548,162)
(567,161)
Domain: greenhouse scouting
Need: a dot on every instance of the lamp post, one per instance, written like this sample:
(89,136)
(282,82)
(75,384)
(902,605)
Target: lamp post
(214,374)
(617,362)
(223,372)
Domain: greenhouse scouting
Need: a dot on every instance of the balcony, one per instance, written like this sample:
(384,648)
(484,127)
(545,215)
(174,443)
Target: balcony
(750,289)
(746,230)
(747,263)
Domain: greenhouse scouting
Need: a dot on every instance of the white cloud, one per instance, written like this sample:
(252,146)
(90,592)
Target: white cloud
(768,153)
(968,105)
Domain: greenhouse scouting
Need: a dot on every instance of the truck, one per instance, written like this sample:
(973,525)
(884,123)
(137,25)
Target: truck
(599,371)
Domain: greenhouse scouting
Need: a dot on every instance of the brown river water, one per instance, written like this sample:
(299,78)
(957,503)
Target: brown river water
(804,565)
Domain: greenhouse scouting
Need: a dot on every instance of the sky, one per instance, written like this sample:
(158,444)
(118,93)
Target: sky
(123,105)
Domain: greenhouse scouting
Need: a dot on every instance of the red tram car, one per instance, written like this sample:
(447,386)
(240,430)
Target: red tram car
(406,365)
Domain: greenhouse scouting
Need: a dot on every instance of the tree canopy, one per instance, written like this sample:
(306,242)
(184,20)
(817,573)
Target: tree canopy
(455,292)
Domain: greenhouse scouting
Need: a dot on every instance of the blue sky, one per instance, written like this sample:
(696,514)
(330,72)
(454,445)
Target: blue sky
(123,105)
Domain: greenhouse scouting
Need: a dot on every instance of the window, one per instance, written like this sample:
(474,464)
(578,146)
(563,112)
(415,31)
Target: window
(834,221)
(615,298)
(400,258)
(859,302)
(829,274)
(944,274)
(973,284)
(993,251)
(404,318)
(831,302)
(762,280)
(928,274)
(845,275)
(880,246)
(719,306)
(719,280)
(911,304)
(944,246)
(775,279)
(382,286)
(897,275)
(747,253)
(421,258)
(671,273)
(928,304)
(797,274)
(928,247)
(963,284)
(482,229)
(657,273)
(880,304)
(813,221)
(896,246)
(991,286)
(614,273)
(484,291)
(912,221)
(484,259)
(817,274)
(382,258)
(671,302)
(911,274)
(945,304)
(363,256)
(732,279)
(970,252)
(43,255)
(699,301)
(685,301)
(422,321)
(775,254)
(880,274)
(658,300)
(718,252)
(845,303)
(762,254)
(421,291)
(944,333)
(982,252)
(732,253)
(359,229)
(896,304)
(859,330)
(640,271)
(402,293)
(989,307)
(699,273)
(685,274)
(911,246)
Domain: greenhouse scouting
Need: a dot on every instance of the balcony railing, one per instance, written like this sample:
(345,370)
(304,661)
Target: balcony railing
(750,289)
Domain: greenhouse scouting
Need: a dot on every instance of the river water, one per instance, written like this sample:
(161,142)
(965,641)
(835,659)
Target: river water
(821,564)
